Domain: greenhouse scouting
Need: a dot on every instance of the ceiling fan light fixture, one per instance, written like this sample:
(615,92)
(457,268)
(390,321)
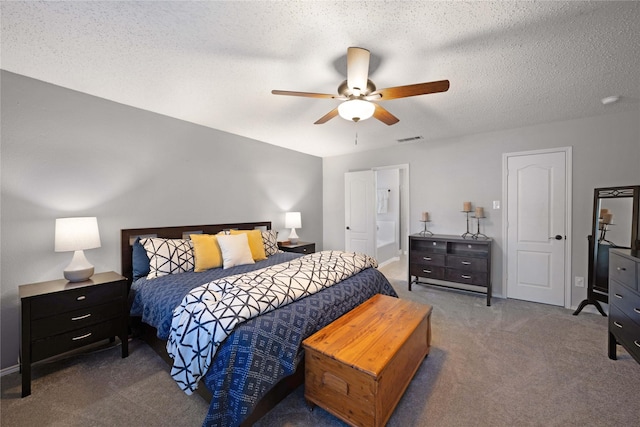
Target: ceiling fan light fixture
(356,110)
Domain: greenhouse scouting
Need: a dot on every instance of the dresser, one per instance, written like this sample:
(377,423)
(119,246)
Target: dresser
(451,261)
(624,302)
(58,316)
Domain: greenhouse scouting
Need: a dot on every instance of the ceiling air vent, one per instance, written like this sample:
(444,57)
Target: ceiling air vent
(410,139)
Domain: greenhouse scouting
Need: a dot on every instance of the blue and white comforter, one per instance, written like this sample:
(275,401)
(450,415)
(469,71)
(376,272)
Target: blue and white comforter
(209,313)
(261,351)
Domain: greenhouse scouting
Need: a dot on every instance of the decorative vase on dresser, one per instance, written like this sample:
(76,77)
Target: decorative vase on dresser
(624,302)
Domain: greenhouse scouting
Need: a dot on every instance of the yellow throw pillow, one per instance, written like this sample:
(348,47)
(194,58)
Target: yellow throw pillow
(255,243)
(206,252)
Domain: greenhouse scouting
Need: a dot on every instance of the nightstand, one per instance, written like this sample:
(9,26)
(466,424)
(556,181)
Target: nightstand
(58,316)
(300,247)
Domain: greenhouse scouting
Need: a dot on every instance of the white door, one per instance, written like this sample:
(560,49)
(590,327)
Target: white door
(537,227)
(359,217)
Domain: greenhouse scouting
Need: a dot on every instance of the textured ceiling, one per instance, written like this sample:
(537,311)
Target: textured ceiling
(510,64)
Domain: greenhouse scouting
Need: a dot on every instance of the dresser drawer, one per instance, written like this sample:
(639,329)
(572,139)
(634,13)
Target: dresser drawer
(427,271)
(622,270)
(467,277)
(625,300)
(426,258)
(71,320)
(467,263)
(47,347)
(74,299)
(626,331)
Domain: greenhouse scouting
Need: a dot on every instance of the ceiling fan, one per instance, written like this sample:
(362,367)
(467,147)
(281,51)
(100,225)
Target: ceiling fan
(358,92)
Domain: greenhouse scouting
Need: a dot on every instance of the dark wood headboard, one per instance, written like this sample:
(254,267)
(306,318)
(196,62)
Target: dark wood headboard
(128,236)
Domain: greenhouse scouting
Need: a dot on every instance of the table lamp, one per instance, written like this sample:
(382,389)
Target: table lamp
(77,234)
(293,220)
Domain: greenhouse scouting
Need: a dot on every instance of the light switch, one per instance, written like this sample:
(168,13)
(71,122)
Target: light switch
(496,204)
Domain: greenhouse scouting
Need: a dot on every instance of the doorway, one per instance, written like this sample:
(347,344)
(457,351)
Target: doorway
(537,226)
(377,211)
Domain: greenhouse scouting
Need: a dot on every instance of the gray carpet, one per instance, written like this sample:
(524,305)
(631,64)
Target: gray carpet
(515,363)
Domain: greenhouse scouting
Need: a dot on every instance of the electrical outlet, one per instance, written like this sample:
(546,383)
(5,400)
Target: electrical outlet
(579,282)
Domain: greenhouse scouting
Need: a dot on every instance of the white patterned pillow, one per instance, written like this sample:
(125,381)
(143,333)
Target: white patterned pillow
(270,240)
(168,256)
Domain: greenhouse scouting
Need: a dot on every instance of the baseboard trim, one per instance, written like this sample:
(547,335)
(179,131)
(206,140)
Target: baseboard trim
(389,261)
(9,370)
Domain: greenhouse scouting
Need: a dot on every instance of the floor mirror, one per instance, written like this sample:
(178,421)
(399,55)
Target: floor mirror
(615,224)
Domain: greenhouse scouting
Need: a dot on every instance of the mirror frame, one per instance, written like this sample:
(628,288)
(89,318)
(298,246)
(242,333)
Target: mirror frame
(633,191)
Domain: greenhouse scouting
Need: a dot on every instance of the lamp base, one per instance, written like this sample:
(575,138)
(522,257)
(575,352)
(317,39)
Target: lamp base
(78,275)
(293,237)
(79,269)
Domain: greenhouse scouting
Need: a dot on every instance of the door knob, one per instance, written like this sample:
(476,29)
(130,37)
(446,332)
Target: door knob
(348,228)
(557,237)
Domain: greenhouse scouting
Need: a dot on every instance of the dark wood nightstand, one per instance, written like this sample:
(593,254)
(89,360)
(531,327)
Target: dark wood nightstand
(58,316)
(300,247)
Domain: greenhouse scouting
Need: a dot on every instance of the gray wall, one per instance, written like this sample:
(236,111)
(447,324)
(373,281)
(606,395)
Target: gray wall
(443,174)
(65,153)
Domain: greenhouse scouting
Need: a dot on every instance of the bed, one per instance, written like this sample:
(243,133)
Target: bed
(261,360)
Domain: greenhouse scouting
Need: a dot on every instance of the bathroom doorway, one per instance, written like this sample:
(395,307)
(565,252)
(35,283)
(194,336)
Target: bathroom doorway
(392,208)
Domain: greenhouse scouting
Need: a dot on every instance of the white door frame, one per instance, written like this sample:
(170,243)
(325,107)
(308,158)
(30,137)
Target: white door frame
(405,205)
(568,216)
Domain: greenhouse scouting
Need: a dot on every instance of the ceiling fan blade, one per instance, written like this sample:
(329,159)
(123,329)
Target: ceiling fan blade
(384,116)
(412,90)
(330,115)
(357,68)
(306,94)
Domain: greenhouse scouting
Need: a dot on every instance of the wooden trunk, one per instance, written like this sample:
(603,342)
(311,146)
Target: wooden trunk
(359,366)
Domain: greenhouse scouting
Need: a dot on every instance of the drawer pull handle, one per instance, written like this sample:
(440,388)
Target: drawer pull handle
(81,317)
(426,258)
(637,343)
(618,296)
(426,271)
(622,269)
(465,276)
(619,325)
(466,263)
(80,298)
(81,337)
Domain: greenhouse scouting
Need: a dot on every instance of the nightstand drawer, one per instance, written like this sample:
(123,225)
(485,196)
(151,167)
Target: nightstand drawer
(71,320)
(299,248)
(74,299)
(47,347)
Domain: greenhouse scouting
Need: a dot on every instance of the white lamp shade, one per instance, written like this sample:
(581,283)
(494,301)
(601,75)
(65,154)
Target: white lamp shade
(75,234)
(356,110)
(292,220)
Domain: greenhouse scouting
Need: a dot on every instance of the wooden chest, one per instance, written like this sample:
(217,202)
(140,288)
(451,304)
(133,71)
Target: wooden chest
(359,366)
